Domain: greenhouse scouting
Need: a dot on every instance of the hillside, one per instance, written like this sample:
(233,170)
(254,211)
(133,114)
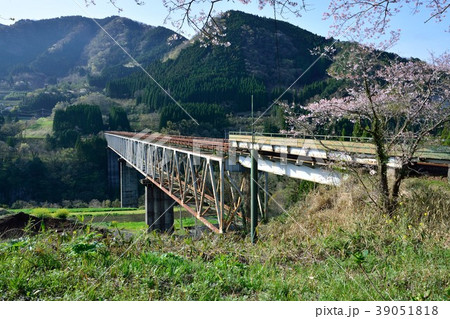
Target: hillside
(264,55)
(35,53)
(332,245)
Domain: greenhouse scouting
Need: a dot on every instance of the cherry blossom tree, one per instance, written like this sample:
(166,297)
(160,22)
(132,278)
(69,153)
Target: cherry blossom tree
(402,102)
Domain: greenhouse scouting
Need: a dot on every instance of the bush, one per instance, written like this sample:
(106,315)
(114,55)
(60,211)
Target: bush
(20,204)
(41,212)
(116,203)
(79,204)
(95,203)
(66,203)
(106,203)
(62,213)
(49,205)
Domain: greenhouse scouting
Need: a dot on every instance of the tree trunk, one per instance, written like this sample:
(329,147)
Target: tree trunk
(384,187)
(400,175)
(382,159)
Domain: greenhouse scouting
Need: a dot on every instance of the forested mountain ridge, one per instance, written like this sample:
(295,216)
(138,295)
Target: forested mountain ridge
(264,56)
(39,52)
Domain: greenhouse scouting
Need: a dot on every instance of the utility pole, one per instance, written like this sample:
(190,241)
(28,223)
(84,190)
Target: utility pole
(253,185)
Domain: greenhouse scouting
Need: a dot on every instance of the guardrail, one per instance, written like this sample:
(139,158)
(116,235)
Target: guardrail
(305,136)
(321,137)
(358,144)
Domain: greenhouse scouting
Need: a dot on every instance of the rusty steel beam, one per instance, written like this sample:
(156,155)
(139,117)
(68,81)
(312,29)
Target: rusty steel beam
(203,143)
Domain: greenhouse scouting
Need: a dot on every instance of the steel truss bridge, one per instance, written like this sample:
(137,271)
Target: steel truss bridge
(210,178)
(190,171)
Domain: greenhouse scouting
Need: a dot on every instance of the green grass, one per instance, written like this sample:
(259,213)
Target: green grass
(134,226)
(84,266)
(128,226)
(439,183)
(190,222)
(334,245)
(61,213)
(88,210)
(39,128)
(41,212)
(86,214)
(110,212)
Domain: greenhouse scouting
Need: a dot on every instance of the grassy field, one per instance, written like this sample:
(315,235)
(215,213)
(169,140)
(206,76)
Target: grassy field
(141,226)
(38,128)
(136,227)
(114,218)
(86,211)
(334,245)
(98,211)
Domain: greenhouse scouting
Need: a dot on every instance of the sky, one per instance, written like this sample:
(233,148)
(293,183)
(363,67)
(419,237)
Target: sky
(418,39)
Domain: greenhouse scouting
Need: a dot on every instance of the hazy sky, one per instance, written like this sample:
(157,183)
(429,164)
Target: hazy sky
(418,38)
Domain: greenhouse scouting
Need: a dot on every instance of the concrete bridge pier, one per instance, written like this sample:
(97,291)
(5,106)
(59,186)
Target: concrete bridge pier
(113,174)
(168,209)
(149,208)
(158,208)
(128,185)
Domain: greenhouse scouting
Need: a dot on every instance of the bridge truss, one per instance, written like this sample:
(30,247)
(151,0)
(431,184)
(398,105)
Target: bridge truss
(194,176)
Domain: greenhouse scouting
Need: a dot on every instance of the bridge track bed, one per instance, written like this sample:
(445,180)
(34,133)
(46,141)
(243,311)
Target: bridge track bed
(191,142)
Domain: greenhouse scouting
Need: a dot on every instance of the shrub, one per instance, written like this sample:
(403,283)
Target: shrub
(95,203)
(106,203)
(116,203)
(66,203)
(79,204)
(41,212)
(62,213)
(20,204)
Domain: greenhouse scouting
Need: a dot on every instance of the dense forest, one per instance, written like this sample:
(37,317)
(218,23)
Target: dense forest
(67,168)
(264,57)
(228,75)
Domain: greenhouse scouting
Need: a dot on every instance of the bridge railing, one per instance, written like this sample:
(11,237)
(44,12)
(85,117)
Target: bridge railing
(204,143)
(432,150)
(306,136)
(327,137)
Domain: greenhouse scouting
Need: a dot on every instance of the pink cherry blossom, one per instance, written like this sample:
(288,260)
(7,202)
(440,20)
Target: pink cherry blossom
(402,101)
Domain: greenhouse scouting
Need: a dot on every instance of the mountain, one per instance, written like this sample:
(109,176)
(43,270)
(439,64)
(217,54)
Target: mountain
(263,57)
(39,52)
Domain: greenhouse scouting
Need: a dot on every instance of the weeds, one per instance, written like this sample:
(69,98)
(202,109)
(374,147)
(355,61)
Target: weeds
(61,213)
(334,245)
(41,212)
